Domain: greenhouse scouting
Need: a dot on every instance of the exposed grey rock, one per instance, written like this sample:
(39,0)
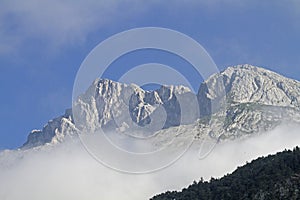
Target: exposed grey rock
(239,101)
(53,132)
(250,84)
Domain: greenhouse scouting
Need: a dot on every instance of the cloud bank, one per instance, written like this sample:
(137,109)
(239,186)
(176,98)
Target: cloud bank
(61,23)
(68,171)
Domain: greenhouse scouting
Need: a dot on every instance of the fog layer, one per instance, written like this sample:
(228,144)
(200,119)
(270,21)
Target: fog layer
(67,171)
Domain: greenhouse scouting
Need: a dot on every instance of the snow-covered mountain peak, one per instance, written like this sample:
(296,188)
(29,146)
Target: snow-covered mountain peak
(247,70)
(240,100)
(246,83)
(115,105)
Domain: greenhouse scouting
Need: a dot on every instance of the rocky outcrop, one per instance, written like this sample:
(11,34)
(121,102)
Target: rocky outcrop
(241,100)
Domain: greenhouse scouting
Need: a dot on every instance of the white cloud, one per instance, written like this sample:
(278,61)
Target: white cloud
(68,172)
(70,22)
(60,22)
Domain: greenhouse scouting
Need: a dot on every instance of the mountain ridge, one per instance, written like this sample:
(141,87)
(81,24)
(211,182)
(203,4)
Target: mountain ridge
(105,105)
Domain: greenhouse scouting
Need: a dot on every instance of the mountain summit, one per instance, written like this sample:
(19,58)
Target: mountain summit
(250,84)
(239,101)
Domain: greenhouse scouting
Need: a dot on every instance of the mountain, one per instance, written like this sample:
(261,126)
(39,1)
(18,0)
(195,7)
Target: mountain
(273,177)
(240,101)
(114,105)
(248,100)
(53,132)
(250,84)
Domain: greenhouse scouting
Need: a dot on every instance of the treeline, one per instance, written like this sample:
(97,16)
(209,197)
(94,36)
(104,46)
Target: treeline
(272,177)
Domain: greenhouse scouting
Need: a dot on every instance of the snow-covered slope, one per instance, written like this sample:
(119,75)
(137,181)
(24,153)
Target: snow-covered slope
(245,99)
(53,132)
(119,107)
(250,84)
(114,105)
(238,101)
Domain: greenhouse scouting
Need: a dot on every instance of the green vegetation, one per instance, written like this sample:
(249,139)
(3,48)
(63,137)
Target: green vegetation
(273,177)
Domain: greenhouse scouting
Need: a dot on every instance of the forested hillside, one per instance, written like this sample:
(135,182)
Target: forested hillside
(273,177)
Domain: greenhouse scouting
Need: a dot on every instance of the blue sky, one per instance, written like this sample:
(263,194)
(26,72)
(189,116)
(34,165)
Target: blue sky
(42,44)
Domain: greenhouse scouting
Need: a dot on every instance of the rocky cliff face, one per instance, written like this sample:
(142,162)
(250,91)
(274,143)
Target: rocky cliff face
(119,107)
(245,99)
(250,84)
(53,132)
(238,101)
(113,105)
